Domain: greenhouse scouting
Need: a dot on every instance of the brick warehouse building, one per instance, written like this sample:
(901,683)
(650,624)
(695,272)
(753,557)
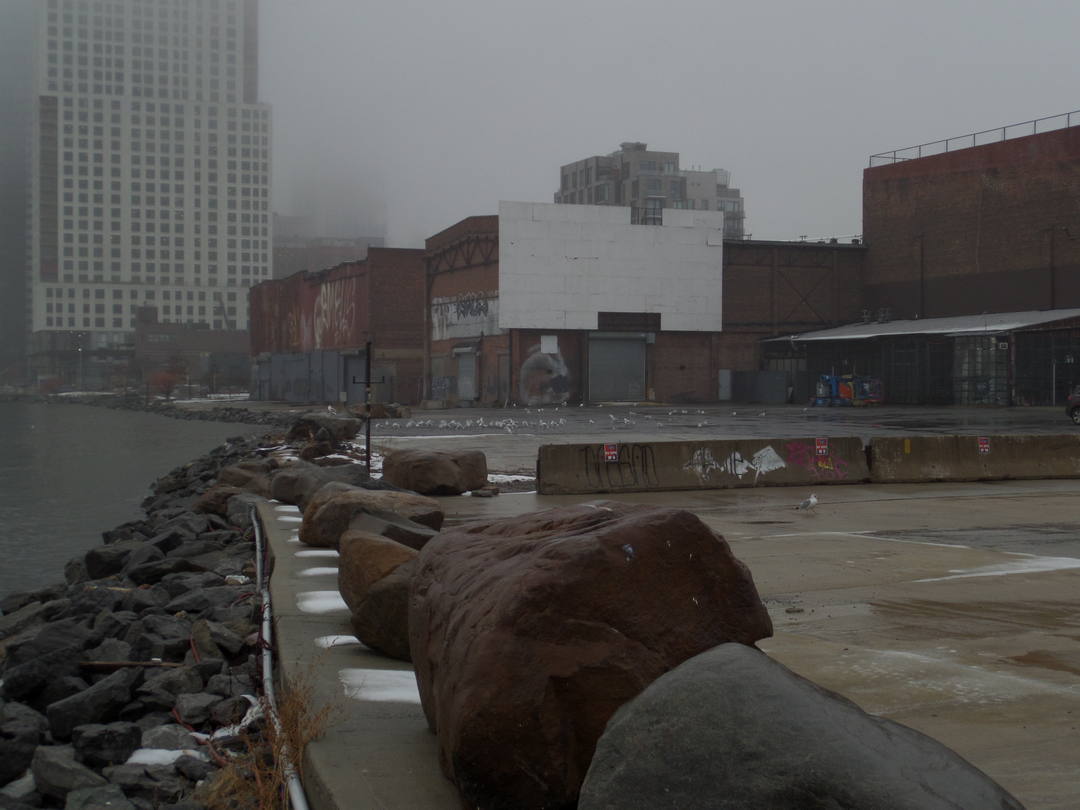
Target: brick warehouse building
(991,228)
(309,331)
(516,321)
(971,272)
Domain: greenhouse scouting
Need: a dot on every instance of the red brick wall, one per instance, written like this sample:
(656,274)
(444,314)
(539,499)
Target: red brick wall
(460,260)
(379,299)
(992,228)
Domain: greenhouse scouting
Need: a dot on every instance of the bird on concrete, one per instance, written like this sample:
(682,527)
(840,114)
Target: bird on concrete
(808,504)
(330,409)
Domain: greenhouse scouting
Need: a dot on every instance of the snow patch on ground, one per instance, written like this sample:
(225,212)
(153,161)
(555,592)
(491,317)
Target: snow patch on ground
(380,685)
(317,552)
(326,642)
(1030,565)
(320,602)
(506,478)
(162,756)
(317,572)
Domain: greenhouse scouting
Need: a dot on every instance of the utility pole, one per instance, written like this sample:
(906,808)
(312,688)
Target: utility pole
(367,383)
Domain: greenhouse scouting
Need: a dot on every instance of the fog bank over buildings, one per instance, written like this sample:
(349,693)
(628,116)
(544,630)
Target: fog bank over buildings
(438,111)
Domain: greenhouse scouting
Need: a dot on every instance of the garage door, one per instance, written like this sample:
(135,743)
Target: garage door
(466,376)
(616,370)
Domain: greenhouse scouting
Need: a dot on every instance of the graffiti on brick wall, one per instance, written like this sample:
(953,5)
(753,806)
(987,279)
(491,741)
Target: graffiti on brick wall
(635,466)
(544,378)
(827,467)
(703,464)
(440,387)
(466,315)
(335,313)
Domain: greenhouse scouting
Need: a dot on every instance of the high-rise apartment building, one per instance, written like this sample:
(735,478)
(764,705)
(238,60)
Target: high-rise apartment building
(150,177)
(648,182)
(16,124)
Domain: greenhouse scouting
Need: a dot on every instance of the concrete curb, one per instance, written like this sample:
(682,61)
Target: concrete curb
(378,752)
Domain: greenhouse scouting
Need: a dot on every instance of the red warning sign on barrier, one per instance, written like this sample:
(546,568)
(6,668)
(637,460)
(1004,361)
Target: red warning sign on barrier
(611,452)
(984,444)
(821,446)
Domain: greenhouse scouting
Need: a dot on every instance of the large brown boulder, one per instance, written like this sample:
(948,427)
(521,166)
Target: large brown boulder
(216,500)
(434,472)
(381,620)
(363,560)
(250,477)
(298,481)
(528,633)
(338,428)
(326,519)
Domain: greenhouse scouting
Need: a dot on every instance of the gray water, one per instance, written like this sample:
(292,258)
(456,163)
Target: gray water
(69,472)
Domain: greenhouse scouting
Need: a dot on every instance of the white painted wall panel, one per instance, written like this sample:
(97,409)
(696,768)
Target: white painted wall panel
(561,264)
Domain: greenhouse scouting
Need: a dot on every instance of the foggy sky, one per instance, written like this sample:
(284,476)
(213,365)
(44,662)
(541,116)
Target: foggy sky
(418,114)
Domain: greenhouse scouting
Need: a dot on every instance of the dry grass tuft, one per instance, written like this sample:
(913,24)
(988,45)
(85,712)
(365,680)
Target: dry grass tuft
(255,777)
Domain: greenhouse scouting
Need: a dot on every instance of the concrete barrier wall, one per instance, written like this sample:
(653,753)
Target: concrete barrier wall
(918,459)
(573,469)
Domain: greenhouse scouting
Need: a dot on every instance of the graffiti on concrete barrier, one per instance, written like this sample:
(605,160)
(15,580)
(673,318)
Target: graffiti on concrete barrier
(635,467)
(545,379)
(823,467)
(703,464)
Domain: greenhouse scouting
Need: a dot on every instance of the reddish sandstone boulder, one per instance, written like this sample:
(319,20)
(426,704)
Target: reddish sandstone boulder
(216,500)
(433,472)
(381,620)
(326,519)
(364,559)
(250,476)
(528,633)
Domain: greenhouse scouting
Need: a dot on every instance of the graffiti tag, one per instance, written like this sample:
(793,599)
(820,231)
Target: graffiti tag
(635,466)
(822,467)
(703,464)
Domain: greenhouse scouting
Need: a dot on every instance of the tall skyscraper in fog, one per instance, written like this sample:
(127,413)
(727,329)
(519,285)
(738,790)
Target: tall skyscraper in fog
(150,169)
(16,125)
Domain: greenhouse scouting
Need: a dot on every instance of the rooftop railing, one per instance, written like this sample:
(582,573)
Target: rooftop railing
(1024,128)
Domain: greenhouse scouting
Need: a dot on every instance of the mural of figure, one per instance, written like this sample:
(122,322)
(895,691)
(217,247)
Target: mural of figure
(545,379)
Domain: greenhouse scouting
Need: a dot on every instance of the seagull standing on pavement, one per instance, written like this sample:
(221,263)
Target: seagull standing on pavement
(808,504)
(330,409)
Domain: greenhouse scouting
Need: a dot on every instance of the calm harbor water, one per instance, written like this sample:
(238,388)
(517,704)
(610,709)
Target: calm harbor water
(68,472)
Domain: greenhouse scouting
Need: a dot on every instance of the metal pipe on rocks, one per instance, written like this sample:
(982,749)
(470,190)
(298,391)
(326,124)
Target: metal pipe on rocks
(297,798)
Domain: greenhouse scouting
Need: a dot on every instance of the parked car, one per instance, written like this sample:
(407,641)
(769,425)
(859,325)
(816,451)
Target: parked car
(1072,406)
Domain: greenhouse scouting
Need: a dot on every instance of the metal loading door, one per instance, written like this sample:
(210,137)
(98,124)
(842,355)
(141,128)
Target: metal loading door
(466,376)
(616,370)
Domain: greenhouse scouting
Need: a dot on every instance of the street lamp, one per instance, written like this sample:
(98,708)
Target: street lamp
(79,350)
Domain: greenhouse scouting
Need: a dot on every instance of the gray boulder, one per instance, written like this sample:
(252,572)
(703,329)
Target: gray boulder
(15,757)
(106,797)
(25,680)
(152,783)
(238,509)
(194,709)
(99,745)
(100,703)
(56,772)
(104,561)
(170,738)
(732,729)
